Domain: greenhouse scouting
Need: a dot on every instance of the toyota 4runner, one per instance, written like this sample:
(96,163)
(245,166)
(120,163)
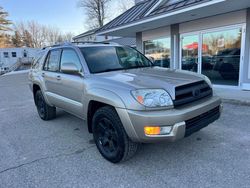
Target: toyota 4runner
(123,97)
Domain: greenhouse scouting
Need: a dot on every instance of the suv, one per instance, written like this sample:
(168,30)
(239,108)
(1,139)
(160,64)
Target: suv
(123,97)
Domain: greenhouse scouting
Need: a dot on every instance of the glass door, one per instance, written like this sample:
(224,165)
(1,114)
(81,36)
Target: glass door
(215,53)
(189,52)
(221,56)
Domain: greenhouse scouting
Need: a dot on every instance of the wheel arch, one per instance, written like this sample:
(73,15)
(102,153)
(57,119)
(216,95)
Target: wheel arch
(98,98)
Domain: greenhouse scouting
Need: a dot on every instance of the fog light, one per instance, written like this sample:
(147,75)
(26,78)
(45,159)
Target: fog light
(157,130)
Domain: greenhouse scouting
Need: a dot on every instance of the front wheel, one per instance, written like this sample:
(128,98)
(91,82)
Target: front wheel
(110,137)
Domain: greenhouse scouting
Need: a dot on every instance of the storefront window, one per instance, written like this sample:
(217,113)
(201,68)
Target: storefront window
(159,51)
(189,59)
(221,57)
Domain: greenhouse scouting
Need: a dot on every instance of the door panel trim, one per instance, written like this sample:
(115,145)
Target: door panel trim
(65,103)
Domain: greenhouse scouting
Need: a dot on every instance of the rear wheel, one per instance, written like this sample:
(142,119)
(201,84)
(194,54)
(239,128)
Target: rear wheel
(110,137)
(45,111)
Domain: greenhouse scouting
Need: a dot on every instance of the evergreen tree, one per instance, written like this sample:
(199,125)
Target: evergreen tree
(17,40)
(27,39)
(4,22)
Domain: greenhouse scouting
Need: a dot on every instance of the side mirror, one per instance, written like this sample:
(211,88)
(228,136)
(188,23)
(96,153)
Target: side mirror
(70,68)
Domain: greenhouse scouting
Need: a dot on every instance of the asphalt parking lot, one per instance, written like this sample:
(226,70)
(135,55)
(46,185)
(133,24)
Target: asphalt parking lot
(61,153)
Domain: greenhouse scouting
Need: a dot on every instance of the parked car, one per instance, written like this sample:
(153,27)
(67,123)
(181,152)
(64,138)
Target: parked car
(123,97)
(191,63)
(162,62)
(227,63)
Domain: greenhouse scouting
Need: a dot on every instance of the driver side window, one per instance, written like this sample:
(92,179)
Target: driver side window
(70,56)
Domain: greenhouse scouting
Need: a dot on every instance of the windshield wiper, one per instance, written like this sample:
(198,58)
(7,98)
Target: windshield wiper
(109,70)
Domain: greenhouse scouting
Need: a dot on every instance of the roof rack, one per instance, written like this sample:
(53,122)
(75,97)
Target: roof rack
(92,42)
(57,45)
(79,42)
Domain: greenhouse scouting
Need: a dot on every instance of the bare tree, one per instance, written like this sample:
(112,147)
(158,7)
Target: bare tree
(96,11)
(33,34)
(67,37)
(53,35)
(124,5)
(27,39)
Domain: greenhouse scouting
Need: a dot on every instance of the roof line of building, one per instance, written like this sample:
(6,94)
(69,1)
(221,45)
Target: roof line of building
(92,31)
(156,17)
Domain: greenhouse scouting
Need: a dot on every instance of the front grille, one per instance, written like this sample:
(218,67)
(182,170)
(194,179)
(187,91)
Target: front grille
(191,92)
(203,120)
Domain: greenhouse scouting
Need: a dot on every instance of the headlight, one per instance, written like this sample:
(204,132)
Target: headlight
(153,97)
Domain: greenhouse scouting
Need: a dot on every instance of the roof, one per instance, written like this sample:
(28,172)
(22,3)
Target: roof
(126,41)
(135,13)
(166,7)
(143,11)
(87,33)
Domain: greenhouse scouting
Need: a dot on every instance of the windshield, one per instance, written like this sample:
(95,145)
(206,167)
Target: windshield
(111,58)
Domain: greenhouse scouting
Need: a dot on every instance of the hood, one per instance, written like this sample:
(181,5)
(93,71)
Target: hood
(151,77)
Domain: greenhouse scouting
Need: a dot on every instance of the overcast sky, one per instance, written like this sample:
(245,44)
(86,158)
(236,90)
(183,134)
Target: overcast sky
(63,14)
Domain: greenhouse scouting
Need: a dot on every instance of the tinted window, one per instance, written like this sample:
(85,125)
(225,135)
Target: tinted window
(70,56)
(108,58)
(52,61)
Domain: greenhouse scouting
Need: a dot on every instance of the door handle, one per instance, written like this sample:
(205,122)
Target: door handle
(58,77)
(43,74)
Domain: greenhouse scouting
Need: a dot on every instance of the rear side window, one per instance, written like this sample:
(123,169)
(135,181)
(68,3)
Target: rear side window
(38,60)
(52,61)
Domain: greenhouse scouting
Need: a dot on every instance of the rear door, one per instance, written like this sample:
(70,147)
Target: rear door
(51,75)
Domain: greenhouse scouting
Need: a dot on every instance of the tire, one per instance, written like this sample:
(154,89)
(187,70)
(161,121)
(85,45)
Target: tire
(45,111)
(110,137)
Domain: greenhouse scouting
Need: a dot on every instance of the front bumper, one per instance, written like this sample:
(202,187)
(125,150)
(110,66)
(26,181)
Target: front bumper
(184,121)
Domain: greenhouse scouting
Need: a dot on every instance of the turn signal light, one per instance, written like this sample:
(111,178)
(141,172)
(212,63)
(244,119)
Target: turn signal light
(152,130)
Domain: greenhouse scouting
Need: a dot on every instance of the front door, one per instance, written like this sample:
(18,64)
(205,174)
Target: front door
(50,74)
(71,87)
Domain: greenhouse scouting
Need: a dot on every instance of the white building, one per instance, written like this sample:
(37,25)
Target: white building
(91,36)
(12,58)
